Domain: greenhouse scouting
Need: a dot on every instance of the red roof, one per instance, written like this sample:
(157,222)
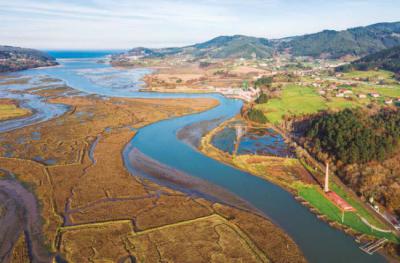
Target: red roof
(338,201)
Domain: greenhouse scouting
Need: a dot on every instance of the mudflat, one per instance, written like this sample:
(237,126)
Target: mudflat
(93,209)
(10,109)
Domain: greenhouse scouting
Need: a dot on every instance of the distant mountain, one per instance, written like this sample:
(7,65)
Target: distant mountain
(388,59)
(16,58)
(357,41)
(237,46)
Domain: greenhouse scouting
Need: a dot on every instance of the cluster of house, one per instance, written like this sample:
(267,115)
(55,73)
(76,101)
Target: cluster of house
(346,93)
(249,94)
(388,101)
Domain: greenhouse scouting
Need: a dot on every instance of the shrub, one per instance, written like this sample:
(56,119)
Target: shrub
(257,116)
(263,98)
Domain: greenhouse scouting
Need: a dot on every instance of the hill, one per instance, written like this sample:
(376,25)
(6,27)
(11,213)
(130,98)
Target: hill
(16,58)
(357,41)
(236,46)
(388,59)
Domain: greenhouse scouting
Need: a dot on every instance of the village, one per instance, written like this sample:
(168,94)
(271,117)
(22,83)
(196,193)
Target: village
(235,78)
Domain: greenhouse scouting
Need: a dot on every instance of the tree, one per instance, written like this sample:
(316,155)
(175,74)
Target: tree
(257,116)
(245,85)
(263,82)
(263,98)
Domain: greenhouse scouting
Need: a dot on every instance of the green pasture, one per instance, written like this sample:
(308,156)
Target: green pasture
(317,200)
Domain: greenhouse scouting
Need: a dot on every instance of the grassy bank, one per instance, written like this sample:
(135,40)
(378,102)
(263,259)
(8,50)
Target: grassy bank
(292,175)
(317,199)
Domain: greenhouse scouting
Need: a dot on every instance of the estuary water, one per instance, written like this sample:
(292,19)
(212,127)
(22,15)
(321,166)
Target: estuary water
(158,141)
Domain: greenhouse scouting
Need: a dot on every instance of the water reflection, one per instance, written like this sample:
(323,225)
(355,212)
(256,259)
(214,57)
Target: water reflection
(239,139)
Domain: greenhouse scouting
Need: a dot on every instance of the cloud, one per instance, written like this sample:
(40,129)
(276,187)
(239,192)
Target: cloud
(104,24)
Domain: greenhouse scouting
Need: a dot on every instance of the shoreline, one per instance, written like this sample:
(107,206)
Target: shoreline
(56,181)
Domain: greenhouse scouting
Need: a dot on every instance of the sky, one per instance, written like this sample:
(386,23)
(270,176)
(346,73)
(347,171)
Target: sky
(123,24)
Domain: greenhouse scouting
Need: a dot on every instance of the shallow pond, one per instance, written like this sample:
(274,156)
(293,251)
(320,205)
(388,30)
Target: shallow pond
(240,140)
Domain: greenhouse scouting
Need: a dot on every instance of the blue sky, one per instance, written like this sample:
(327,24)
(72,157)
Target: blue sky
(122,24)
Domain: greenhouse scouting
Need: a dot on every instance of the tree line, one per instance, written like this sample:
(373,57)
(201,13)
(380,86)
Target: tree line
(352,136)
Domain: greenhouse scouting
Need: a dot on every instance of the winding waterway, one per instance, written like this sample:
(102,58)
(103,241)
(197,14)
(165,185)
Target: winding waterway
(158,141)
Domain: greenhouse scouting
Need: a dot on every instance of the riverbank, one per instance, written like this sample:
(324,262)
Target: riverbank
(76,195)
(295,176)
(271,168)
(273,202)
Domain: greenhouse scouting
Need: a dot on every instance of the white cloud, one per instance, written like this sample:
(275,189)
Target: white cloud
(104,24)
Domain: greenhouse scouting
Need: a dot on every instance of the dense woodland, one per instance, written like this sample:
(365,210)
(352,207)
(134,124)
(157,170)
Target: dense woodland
(351,136)
(364,148)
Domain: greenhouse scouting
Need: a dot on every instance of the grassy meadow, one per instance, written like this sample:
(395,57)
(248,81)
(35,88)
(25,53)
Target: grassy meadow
(299,100)
(370,74)
(316,198)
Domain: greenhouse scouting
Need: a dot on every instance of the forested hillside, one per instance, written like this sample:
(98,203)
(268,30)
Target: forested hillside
(388,59)
(364,147)
(359,41)
(16,58)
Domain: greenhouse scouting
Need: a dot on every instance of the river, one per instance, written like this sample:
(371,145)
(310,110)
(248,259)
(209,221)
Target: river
(158,141)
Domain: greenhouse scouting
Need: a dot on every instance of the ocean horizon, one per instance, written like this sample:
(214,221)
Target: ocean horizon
(66,54)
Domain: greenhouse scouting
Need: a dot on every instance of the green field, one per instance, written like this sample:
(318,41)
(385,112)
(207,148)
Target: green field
(386,91)
(343,103)
(359,207)
(298,100)
(295,100)
(371,74)
(317,200)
